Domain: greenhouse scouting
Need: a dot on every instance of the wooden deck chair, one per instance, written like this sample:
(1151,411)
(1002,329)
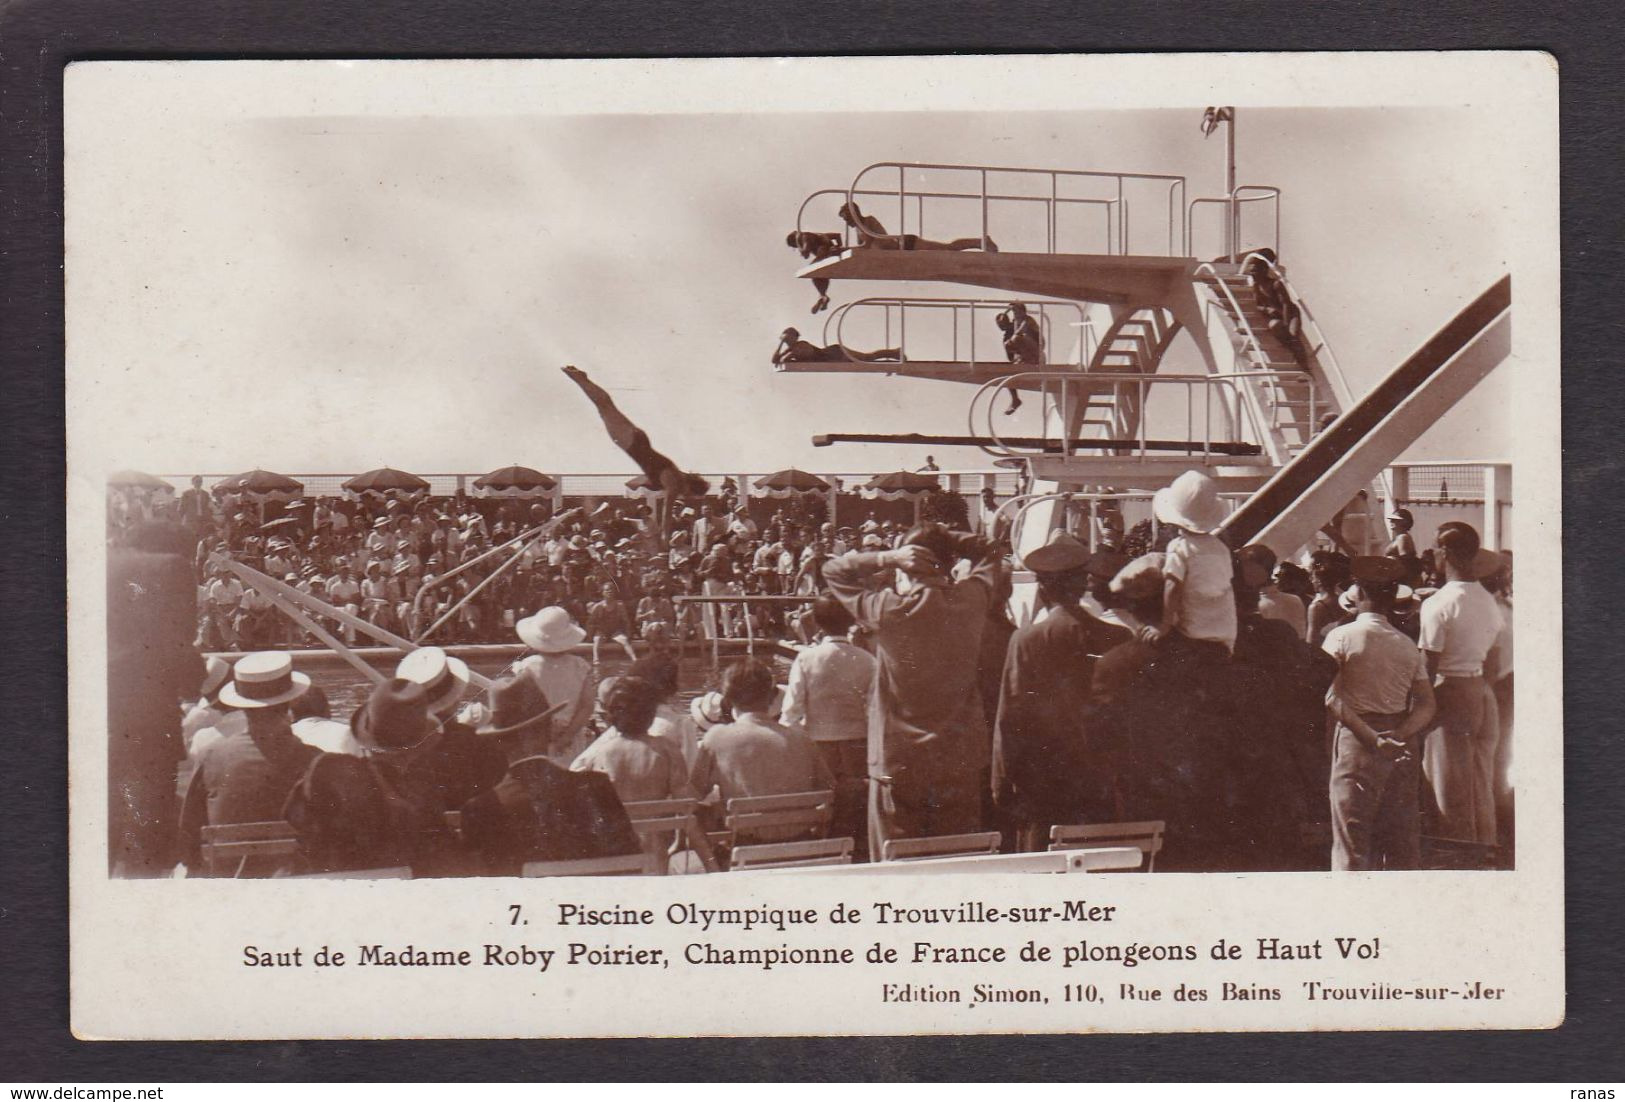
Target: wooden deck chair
(1146,835)
(399,872)
(789,817)
(944,845)
(230,849)
(631,864)
(792,855)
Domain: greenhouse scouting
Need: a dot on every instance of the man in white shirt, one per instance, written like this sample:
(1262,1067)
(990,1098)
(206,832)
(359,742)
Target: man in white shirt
(1381,700)
(828,694)
(1460,624)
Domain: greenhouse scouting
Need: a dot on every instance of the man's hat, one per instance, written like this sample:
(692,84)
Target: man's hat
(1062,554)
(1141,578)
(516,704)
(215,672)
(706,710)
(263,680)
(1402,593)
(1376,570)
(1402,514)
(395,717)
(380,522)
(443,677)
(1486,564)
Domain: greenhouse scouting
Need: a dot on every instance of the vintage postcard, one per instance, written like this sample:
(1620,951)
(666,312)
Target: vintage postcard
(814,546)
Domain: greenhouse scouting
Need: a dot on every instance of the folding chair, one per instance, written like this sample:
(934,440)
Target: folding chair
(240,846)
(792,855)
(944,845)
(657,821)
(786,817)
(1147,836)
(631,864)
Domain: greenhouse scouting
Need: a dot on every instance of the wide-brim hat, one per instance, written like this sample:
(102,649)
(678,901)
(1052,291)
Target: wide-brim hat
(514,705)
(263,680)
(1061,554)
(1376,570)
(1140,578)
(395,717)
(1192,502)
(1487,563)
(1347,599)
(443,677)
(380,522)
(550,630)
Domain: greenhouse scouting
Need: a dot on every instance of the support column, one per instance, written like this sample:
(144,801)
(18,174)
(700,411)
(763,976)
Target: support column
(1497,488)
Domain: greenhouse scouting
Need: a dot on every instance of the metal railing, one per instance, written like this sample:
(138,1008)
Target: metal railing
(721,601)
(962,316)
(1058,391)
(1233,203)
(1252,351)
(1335,377)
(994,187)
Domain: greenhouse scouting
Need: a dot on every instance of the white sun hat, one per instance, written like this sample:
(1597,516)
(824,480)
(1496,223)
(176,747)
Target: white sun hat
(551,630)
(1192,502)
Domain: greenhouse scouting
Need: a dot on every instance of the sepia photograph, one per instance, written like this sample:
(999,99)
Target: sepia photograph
(613,470)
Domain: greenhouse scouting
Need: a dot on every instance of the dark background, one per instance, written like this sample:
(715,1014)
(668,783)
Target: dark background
(37,39)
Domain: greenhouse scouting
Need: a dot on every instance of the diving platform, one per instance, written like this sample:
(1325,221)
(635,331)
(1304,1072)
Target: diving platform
(1112,280)
(938,370)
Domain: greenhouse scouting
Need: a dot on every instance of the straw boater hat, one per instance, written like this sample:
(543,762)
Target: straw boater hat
(443,677)
(1062,554)
(395,717)
(706,711)
(215,672)
(263,680)
(1192,502)
(516,705)
(550,631)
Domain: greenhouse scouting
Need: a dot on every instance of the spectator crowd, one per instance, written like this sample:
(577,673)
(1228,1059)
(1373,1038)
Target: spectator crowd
(1272,716)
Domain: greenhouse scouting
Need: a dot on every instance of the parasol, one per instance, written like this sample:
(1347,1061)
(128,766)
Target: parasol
(899,486)
(789,482)
(515,481)
(263,485)
(385,482)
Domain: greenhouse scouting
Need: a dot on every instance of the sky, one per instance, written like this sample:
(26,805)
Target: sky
(333,282)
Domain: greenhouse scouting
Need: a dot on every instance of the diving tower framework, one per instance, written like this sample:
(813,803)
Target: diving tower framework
(1063,245)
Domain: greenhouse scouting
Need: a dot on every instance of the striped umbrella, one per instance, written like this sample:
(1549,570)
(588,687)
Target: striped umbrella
(899,486)
(262,485)
(515,481)
(385,482)
(789,482)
